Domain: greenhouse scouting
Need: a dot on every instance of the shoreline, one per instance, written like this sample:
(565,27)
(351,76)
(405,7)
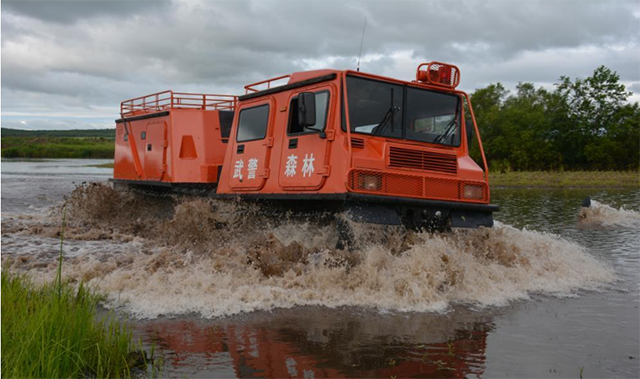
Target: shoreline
(564,179)
(519,179)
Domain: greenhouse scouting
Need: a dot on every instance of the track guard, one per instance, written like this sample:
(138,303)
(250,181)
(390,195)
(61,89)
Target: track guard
(419,218)
(373,214)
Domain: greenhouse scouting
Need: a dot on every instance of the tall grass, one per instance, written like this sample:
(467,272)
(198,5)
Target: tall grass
(55,331)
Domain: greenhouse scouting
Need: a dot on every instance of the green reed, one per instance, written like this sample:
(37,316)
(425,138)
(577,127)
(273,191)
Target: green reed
(55,331)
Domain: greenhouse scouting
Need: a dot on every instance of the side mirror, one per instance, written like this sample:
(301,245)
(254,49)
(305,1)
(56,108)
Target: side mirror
(307,109)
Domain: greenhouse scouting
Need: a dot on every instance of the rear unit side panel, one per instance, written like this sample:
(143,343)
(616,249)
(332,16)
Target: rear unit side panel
(195,146)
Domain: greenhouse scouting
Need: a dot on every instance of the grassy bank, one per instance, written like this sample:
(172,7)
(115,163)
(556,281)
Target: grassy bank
(57,147)
(567,179)
(54,332)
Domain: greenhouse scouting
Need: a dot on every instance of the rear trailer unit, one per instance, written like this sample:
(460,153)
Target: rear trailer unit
(388,151)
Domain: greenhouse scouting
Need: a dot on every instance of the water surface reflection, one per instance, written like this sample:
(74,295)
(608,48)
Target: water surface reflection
(312,342)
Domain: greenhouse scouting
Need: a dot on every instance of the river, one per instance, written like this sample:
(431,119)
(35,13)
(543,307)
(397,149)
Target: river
(543,294)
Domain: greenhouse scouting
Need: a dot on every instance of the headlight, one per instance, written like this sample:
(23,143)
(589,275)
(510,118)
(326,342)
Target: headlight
(369,182)
(472,191)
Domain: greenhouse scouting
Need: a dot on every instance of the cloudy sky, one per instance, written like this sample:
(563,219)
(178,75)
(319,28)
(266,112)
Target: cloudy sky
(69,64)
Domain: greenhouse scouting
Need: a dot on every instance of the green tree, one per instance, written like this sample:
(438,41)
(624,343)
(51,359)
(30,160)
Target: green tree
(594,107)
(581,124)
(594,101)
(487,106)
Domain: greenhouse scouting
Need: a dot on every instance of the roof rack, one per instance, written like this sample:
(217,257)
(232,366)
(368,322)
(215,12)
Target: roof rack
(162,101)
(251,87)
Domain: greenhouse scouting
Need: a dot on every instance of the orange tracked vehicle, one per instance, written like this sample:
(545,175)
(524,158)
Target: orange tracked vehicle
(389,151)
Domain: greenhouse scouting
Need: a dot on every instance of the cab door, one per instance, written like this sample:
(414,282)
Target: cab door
(250,155)
(304,163)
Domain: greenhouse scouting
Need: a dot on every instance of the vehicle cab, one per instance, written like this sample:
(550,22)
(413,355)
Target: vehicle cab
(388,150)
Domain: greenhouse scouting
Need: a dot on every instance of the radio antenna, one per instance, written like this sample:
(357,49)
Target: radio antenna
(362,42)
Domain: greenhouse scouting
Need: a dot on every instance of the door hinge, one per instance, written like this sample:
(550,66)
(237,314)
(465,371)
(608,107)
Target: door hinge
(326,171)
(164,167)
(265,173)
(268,142)
(331,135)
(165,144)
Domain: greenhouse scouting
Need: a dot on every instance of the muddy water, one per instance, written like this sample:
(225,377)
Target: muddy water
(224,290)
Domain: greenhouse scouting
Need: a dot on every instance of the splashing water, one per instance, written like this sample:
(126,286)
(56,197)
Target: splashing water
(176,256)
(604,215)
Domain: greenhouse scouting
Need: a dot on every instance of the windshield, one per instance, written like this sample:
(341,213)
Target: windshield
(391,110)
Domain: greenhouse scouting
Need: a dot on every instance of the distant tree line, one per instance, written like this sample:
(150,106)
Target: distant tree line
(584,124)
(73,133)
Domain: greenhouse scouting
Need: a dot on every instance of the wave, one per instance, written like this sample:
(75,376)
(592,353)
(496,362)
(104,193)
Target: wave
(605,215)
(213,258)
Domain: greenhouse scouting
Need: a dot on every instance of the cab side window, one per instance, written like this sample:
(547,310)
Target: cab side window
(226,121)
(322,107)
(252,123)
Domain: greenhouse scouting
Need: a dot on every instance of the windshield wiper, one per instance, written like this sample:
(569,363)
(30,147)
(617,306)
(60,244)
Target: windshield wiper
(385,119)
(450,128)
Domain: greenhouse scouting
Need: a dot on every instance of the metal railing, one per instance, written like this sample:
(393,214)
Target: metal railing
(167,100)
(251,87)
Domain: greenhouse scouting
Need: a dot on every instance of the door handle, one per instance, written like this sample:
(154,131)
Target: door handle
(240,149)
(293,143)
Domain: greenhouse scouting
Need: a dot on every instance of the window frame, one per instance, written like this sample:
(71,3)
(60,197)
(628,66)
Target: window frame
(326,113)
(266,129)
(457,115)
(345,112)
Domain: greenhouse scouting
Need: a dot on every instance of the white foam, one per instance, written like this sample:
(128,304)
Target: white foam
(605,215)
(217,259)
(481,267)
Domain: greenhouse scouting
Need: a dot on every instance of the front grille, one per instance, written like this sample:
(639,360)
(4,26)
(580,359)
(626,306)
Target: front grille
(422,160)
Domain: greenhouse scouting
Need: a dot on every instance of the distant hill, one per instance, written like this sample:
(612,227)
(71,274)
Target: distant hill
(96,133)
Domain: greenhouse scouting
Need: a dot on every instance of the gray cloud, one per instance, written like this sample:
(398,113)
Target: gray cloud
(81,57)
(68,11)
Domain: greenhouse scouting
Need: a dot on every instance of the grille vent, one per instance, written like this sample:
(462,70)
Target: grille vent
(422,160)
(357,143)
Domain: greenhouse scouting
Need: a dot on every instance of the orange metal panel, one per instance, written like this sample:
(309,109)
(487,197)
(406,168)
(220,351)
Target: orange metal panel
(305,166)
(248,168)
(155,150)
(414,186)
